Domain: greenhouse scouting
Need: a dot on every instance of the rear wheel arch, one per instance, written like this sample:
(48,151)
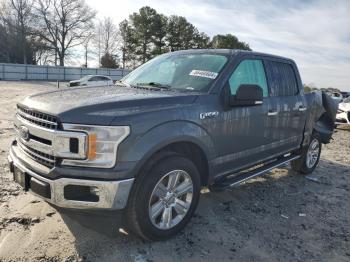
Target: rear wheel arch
(300,164)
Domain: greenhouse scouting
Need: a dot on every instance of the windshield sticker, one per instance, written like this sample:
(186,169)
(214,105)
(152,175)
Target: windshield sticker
(207,74)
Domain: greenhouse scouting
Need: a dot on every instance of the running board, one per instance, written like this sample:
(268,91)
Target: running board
(238,179)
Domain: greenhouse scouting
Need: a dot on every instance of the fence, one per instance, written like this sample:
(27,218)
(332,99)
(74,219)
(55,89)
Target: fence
(54,73)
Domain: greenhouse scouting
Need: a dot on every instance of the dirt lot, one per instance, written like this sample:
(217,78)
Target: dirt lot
(282,216)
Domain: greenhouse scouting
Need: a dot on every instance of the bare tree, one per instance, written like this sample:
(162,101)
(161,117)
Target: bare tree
(86,48)
(64,24)
(106,37)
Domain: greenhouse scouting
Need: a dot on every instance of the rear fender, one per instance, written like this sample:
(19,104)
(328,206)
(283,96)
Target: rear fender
(321,116)
(325,124)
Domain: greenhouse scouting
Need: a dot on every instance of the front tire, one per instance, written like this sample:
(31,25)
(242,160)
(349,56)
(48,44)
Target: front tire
(164,198)
(310,157)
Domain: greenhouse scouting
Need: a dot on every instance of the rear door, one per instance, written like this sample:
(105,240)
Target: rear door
(105,81)
(287,108)
(109,81)
(93,81)
(101,81)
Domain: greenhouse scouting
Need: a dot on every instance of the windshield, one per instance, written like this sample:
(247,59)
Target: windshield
(85,78)
(185,72)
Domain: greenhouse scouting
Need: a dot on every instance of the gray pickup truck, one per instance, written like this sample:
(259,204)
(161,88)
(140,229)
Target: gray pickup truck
(180,122)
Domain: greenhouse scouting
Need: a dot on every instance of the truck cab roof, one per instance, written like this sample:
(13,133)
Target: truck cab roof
(231,52)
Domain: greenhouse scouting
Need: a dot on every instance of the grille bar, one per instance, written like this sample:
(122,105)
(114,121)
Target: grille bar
(45,159)
(38,118)
(27,116)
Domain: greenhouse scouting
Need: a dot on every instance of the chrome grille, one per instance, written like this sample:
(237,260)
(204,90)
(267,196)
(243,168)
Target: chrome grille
(41,138)
(43,158)
(38,118)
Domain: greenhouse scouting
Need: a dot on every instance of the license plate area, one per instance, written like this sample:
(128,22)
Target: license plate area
(21,178)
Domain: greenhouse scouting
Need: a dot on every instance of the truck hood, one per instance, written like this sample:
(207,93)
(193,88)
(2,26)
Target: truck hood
(100,105)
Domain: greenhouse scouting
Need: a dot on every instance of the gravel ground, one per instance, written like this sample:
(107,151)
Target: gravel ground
(282,216)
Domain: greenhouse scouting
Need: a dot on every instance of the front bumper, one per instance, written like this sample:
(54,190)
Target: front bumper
(110,195)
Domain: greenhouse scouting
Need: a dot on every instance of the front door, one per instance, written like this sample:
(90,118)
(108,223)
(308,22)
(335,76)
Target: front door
(245,137)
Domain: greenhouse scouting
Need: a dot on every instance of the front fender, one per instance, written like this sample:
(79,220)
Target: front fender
(143,147)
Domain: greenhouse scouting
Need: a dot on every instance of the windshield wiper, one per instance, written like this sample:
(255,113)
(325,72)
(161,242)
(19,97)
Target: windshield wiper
(154,84)
(121,83)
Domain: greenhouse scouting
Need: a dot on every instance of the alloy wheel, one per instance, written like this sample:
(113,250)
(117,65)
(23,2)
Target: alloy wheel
(171,199)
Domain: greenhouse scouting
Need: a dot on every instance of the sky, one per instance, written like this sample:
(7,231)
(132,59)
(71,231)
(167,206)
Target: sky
(314,33)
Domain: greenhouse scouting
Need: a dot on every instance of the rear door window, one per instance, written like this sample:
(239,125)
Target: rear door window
(282,79)
(249,72)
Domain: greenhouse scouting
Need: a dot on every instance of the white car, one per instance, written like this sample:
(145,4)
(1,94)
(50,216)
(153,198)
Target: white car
(92,80)
(343,114)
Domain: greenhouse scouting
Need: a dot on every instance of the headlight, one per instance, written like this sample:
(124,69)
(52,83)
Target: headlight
(101,144)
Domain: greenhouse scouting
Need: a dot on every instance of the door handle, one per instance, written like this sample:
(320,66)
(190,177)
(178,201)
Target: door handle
(272,113)
(302,108)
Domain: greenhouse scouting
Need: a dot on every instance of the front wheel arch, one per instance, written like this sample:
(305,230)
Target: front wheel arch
(137,209)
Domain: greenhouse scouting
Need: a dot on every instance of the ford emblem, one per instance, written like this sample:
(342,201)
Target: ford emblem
(24,133)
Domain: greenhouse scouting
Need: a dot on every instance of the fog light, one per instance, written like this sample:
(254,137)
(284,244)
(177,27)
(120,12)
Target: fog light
(80,193)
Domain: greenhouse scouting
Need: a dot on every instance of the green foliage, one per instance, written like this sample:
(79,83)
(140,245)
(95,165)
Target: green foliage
(18,44)
(228,41)
(109,61)
(11,47)
(143,24)
(147,33)
(307,89)
(128,42)
(51,29)
(183,35)
(159,33)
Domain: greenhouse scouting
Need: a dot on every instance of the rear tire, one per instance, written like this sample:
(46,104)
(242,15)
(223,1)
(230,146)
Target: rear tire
(310,157)
(164,198)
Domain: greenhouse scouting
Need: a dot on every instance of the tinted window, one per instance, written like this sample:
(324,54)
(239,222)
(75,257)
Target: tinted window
(249,72)
(98,78)
(93,79)
(282,79)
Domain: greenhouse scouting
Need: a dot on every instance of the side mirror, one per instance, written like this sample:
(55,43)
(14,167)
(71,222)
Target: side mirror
(247,95)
